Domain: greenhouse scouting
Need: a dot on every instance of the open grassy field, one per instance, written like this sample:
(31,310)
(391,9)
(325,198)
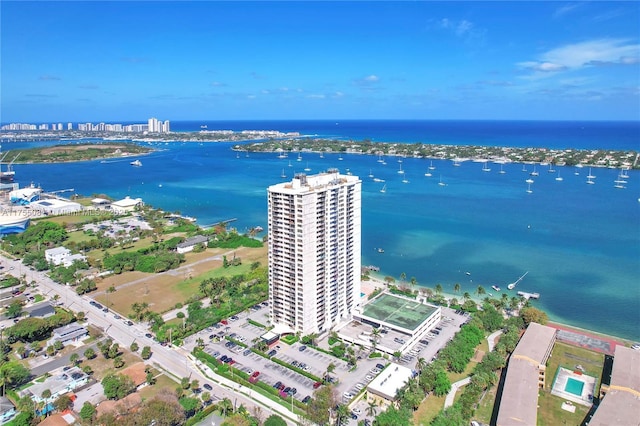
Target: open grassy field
(162,291)
(70,218)
(550,412)
(485,407)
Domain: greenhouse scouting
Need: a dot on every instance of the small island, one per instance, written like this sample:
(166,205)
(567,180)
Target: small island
(77,152)
(456,153)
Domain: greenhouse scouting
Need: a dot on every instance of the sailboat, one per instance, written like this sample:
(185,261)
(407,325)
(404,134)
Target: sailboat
(502,169)
(551,169)
(290,163)
(559,178)
(485,167)
(524,167)
(401,171)
(529,180)
(576,172)
(441,183)
(307,169)
(432,167)
(619,183)
(515,283)
(321,154)
(529,190)
(384,188)
(590,177)
(380,160)
(283,175)
(456,162)
(405,180)
(534,172)
(623,173)
(340,157)
(428,174)
(370,173)
(299,157)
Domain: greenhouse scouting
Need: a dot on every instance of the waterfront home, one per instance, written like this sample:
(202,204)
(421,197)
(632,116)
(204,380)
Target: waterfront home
(127,204)
(190,243)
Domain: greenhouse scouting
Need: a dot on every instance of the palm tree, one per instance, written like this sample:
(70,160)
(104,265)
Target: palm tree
(225,406)
(421,363)
(342,413)
(466,296)
(456,288)
(438,289)
(414,282)
(371,409)
(480,290)
(403,276)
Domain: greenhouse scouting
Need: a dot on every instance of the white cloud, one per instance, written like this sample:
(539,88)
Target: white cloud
(584,54)
(217,84)
(367,81)
(564,10)
(372,78)
(316,96)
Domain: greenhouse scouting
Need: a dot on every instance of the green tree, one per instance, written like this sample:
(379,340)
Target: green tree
(146,353)
(275,420)
(324,399)
(118,362)
(531,314)
(87,411)
(190,405)
(372,408)
(442,384)
(456,288)
(480,290)
(89,353)
(133,347)
(13,374)
(74,358)
(225,406)
(14,310)
(117,386)
(184,382)
(62,403)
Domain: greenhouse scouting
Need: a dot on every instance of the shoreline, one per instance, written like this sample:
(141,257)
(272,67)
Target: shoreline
(375,282)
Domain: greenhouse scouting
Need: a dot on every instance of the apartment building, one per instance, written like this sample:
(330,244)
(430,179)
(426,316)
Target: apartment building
(314,241)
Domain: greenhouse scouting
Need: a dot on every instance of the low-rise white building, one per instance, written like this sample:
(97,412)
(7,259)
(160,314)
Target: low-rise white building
(69,332)
(59,384)
(127,204)
(190,243)
(62,256)
(54,206)
(383,389)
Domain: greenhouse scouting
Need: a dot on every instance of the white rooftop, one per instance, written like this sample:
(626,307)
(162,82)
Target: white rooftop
(57,251)
(390,381)
(127,202)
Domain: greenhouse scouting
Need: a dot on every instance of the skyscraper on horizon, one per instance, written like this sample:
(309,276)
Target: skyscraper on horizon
(314,251)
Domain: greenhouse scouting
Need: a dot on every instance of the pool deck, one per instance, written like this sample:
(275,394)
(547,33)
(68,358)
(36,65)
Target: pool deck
(560,383)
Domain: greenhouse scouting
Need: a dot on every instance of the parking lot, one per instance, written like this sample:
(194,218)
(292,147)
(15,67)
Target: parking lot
(219,343)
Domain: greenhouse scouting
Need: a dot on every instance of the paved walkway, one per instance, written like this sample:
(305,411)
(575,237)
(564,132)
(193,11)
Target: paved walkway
(448,402)
(491,339)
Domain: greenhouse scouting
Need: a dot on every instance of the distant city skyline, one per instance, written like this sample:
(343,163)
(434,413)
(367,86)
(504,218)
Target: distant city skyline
(120,61)
(153,126)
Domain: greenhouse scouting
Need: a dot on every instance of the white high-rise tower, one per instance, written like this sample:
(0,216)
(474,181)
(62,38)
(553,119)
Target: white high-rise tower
(314,251)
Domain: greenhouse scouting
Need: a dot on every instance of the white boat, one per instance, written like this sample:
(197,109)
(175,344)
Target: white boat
(340,157)
(380,160)
(432,167)
(559,178)
(370,173)
(405,180)
(524,168)
(534,172)
(136,163)
(529,180)
(384,188)
(441,183)
(485,167)
(529,190)
(428,174)
(495,287)
(577,173)
(515,283)
(290,163)
(502,169)
(307,169)
(590,182)
(378,180)
(623,173)
(282,155)
(401,171)
(321,155)
(299,157)
(456,162)
(551,169)
(590,176)
(283,175)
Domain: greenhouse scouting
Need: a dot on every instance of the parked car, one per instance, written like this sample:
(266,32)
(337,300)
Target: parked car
(302,348)
(316,385)
(207,386)
(306,399)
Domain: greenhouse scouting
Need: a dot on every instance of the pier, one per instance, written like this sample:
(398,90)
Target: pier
(529,295)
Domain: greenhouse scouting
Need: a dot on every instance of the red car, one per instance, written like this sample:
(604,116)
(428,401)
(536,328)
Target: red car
(316,385)
(255,374)
(225,322)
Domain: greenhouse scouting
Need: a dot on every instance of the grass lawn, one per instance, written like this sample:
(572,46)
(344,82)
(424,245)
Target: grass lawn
(78,236)
(550,412)
(101,366)
(162,291)
(162,382)
(485,407)
(563,355)
(428,410)
(137,245)
(70,219)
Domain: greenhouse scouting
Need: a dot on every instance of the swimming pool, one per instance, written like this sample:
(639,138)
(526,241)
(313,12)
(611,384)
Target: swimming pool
(574,386)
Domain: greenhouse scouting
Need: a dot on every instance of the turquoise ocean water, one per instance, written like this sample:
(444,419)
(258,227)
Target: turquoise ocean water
(580,243)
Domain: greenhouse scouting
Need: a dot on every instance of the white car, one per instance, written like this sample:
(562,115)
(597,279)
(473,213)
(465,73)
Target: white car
(359,386)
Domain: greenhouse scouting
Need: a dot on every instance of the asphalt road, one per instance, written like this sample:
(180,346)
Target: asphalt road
(174,361)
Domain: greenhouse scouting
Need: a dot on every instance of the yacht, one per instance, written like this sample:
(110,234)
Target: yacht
(136,163)
(495,287)
(485,167)
(502,169)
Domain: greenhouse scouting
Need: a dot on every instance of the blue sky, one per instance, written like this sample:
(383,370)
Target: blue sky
(127,61)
